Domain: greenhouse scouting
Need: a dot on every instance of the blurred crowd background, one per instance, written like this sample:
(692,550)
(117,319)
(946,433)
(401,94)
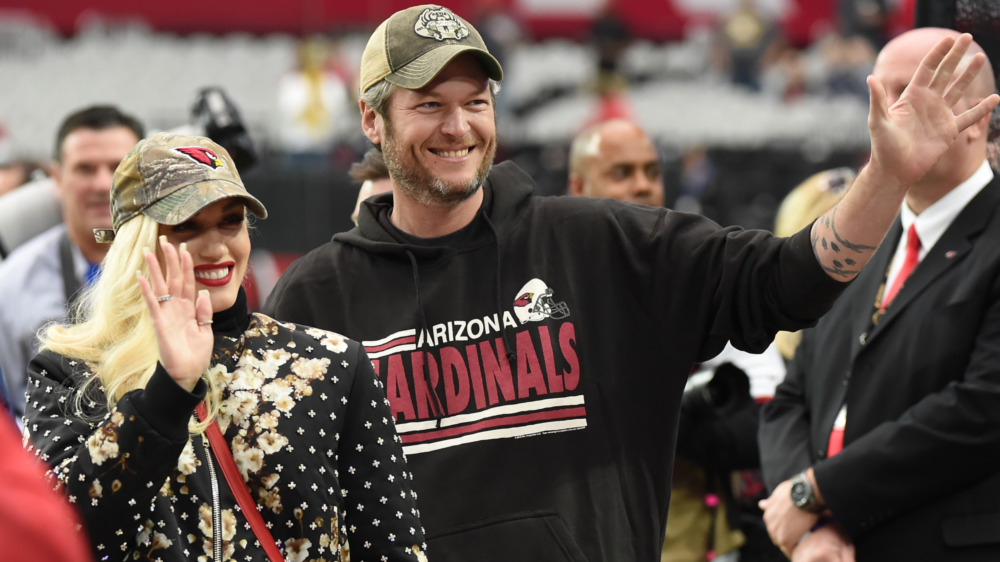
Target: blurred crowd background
(745,99)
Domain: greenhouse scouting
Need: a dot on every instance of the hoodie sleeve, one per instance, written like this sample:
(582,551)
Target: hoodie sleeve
(779,286)
(734,284)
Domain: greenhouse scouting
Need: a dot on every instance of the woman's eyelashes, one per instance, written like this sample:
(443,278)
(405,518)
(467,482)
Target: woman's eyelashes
(229,221)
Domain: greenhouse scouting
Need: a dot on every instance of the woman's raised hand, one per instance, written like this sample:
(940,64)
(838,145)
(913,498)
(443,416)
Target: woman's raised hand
(182,317)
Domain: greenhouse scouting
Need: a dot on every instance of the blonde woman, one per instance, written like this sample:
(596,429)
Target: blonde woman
(112,398)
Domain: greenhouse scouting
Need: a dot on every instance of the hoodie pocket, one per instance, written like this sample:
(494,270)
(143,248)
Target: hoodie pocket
(537,536)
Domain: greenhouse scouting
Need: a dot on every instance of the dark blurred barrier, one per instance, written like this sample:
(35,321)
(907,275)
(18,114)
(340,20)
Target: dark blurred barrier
(309,203)
(306,204)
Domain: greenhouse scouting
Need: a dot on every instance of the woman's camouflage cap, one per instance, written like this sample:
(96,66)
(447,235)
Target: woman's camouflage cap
(169,177)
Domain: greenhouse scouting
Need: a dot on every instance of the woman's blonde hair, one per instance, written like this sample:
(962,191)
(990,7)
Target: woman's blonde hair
(111,329)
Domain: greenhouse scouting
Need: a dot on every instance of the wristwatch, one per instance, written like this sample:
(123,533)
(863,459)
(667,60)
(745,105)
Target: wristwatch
(803,496)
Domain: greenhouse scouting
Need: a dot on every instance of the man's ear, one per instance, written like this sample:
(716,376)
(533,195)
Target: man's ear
(980,128)
(371,123)
(575,184)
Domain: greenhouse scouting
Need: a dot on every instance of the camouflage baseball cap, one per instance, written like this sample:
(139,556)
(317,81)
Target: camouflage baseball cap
(411,47)
(170,177)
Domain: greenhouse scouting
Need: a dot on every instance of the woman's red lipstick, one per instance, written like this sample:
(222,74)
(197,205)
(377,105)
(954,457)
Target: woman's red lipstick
(214,269)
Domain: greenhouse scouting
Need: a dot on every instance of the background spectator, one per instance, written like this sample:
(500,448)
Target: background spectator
(41,279)
(615,159)
(373,176)
(19,172)
(872,391)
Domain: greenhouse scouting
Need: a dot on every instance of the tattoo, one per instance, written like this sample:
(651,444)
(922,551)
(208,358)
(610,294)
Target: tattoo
(843,266)
(839,271)
(856,247)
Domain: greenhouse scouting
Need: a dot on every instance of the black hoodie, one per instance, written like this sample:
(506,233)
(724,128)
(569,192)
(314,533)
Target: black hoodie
(535,359)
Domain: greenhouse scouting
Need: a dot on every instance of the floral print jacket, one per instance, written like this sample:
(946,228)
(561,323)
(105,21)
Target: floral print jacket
(309,428)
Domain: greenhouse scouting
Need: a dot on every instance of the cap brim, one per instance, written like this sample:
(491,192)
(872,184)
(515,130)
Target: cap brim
(182,204)
(423,69)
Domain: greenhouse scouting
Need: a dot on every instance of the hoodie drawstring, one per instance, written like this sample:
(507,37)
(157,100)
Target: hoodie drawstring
(425,333)
(508,346)
(424,329)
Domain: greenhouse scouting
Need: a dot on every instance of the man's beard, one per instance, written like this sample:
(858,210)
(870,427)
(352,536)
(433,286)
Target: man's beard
(417,181)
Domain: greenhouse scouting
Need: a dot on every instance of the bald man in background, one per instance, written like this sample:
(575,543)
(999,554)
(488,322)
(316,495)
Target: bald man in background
(616,159)
(881,442)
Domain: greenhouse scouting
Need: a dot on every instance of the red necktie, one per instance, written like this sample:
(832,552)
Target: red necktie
(836,443)
(909,262)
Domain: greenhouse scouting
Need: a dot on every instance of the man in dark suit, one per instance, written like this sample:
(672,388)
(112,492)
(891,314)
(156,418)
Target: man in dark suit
(883,442)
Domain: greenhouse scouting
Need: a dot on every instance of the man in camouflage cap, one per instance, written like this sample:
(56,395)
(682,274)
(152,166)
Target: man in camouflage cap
(170,177)
(534,349)
(411,47)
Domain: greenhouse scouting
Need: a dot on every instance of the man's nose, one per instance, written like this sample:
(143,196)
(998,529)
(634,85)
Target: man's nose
(641,183)
(456,123)
(103,177)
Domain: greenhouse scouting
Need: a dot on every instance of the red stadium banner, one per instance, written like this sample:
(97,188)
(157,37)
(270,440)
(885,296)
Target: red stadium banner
(657,20)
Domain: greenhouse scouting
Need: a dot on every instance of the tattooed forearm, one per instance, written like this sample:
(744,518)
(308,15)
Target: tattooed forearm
(839,270)
(831,223)
(841,265)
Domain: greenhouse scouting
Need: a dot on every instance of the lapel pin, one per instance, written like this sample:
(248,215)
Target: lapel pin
(950,254)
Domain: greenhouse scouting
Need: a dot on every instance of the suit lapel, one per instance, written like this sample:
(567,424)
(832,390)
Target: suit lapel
(949,250)
(869,282)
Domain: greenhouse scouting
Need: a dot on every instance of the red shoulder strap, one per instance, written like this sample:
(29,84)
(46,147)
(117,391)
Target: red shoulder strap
(225,459)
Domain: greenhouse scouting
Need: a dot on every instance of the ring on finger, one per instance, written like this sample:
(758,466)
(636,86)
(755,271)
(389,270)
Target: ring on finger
(204,322)
(164,298)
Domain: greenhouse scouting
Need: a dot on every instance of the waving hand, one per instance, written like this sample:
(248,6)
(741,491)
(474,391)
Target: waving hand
(909,136)
(181,317)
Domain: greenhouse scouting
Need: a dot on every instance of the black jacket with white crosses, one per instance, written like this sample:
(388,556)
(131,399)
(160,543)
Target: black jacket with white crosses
(309,428)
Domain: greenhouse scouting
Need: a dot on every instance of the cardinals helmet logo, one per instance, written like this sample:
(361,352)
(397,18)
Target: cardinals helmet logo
(535,303)
(201,155)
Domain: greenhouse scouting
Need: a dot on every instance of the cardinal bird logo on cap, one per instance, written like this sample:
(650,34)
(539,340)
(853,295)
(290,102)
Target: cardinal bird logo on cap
(201,155)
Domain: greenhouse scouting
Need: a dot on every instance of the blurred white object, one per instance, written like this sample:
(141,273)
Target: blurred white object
(27,212)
